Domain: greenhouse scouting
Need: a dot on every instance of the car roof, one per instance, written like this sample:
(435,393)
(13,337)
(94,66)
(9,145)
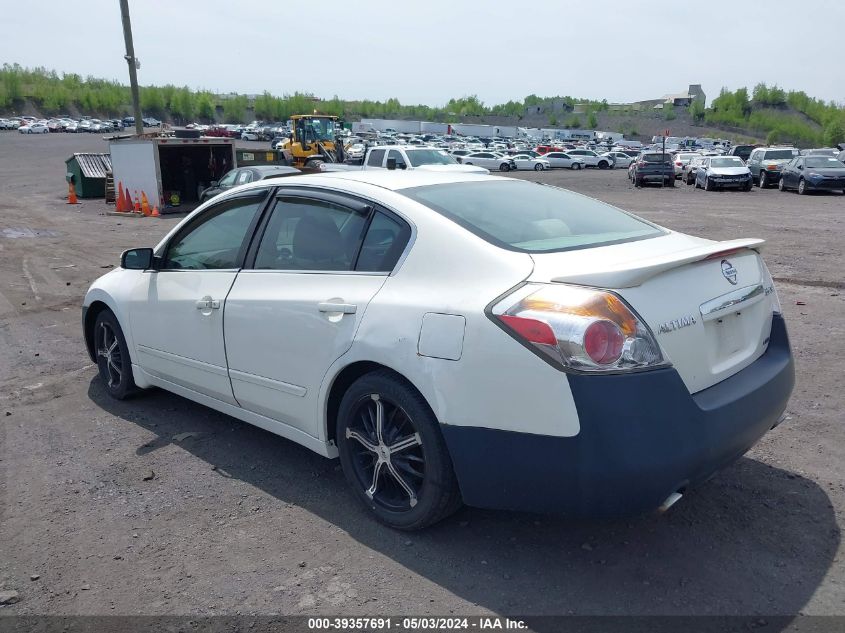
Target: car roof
(285,169)
(392,180)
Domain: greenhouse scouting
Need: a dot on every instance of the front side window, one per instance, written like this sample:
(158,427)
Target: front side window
(216,240)
(530,217)
(396,155)
(309,234)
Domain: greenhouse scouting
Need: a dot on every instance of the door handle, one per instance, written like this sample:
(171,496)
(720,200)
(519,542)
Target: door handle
(208,304)
(343,308)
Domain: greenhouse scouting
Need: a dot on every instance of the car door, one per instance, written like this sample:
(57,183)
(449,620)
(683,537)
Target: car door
(176,310)
(295,308)
(792,173)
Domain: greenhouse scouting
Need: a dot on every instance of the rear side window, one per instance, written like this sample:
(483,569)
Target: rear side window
(376,158)
(530,217)
(385,240)
(305,234)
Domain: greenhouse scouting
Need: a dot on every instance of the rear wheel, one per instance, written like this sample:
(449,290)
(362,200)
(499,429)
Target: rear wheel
(113,361)
(764,180)
(671,182)
(802,187)
(393,454)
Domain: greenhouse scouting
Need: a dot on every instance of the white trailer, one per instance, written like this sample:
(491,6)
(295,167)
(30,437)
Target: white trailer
(158,168)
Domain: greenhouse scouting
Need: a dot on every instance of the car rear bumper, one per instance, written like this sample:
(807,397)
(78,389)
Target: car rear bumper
(643,437)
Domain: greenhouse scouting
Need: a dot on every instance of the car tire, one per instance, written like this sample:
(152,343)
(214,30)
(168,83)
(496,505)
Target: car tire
(638,182)
(112,353)
(764,180)
(603,164)
(539,167)
(802,187)
(504,167)
(747,186)
(408,492)
(671,182)
(576,166)
(708,186)
(781,186)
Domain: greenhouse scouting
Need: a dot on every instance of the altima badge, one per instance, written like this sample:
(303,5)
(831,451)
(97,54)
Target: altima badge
(676,324)
(729,271)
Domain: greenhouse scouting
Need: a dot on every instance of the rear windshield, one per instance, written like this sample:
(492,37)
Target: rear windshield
(531,217)
(657,158)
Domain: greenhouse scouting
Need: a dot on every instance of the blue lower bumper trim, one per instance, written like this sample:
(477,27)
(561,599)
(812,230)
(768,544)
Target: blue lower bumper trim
(643,436)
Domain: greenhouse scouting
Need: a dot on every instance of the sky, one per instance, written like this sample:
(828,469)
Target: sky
(430,51)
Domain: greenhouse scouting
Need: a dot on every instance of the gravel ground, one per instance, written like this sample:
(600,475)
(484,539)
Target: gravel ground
(236,520)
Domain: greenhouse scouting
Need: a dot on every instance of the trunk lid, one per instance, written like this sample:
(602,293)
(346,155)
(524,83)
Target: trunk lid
(709,304)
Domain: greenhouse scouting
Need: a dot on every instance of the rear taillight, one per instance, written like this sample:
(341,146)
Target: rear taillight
(771,167)
(679,163)
(577,328)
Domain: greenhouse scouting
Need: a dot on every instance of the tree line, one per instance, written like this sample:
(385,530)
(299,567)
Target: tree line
(781,116)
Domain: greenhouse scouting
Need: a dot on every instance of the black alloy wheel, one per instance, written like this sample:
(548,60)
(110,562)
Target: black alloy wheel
(393,454)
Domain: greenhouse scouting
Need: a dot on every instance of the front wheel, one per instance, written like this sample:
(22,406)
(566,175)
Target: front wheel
(113,361)
(504,167)
(576,166)
(538,167)
(802,187)
(707,184)
(393,454)
(604,164)
(781,186)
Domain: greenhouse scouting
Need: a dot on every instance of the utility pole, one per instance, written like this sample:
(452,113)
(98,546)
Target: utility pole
(134,64)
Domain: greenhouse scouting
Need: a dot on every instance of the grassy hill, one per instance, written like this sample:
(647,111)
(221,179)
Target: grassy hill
(766,114)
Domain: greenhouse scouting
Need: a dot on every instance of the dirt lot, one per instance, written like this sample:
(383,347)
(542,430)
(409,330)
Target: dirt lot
(240,521)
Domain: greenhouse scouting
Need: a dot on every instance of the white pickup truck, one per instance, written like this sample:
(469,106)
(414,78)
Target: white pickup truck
(407,157)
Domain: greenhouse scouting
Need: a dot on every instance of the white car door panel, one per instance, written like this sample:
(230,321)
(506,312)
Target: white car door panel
(176,312)
(283,331)
(296,312)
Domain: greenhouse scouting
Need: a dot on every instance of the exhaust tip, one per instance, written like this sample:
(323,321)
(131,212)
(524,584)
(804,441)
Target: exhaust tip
(671,500)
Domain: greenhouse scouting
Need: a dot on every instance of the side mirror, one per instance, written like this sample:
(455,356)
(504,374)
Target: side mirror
(391,164)
(800,166)
(137,259)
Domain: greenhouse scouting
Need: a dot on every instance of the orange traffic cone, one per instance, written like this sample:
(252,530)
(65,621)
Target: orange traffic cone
(145,204)
(137,203)
(118,201)
(155,213)
(127,201)
(71,194)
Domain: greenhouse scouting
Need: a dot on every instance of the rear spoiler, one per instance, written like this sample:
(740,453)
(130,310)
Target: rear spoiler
(636,272)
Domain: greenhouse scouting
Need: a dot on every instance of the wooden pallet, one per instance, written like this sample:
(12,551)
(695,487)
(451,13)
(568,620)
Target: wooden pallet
(109,187)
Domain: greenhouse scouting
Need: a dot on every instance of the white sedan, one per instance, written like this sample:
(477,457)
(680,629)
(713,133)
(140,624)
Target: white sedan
(620,159)
(456,338)
(525,161)
(490,160)
(34,128)
(562,159)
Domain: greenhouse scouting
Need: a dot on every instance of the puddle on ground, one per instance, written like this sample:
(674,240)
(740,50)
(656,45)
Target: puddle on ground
(24,231)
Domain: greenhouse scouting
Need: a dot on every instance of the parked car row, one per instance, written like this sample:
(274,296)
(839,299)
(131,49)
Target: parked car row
(804,171)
